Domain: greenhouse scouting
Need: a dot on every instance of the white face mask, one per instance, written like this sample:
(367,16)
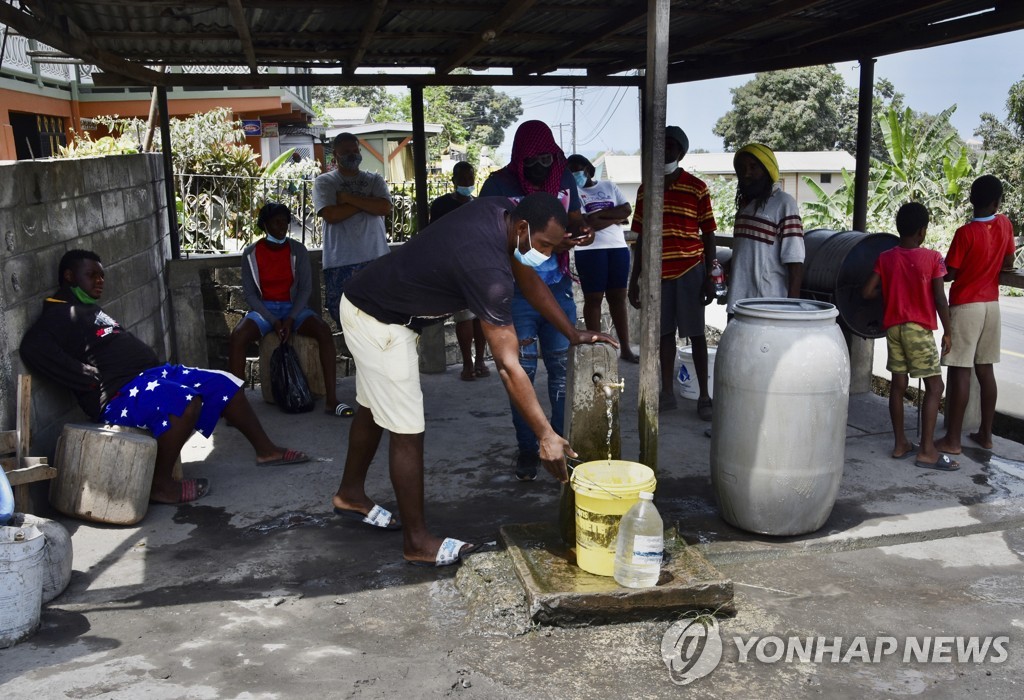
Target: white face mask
(278,241)
(671,167)
(533,257)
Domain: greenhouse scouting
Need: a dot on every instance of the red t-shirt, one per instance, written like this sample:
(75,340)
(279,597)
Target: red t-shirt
(687,213)
(275,266)
(977,254)
(907,275)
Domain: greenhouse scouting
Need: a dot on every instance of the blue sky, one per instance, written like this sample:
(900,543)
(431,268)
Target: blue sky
(975,75)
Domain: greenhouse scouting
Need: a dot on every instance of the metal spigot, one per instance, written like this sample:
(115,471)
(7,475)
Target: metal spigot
(608,386)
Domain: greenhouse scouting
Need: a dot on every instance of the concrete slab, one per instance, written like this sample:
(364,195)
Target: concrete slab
(258,592)
(559,592)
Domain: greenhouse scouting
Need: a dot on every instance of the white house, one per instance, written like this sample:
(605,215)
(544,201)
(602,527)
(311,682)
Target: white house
(823,167)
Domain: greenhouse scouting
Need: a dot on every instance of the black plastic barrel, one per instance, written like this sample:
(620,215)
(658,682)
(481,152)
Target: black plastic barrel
(837,265)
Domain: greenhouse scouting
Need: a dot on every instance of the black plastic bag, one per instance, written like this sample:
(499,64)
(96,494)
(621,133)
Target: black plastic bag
(287,382)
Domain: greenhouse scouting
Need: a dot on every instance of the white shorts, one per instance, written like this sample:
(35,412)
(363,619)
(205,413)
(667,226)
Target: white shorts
(387,370)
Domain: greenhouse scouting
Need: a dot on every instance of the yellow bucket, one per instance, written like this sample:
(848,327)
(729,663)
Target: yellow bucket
(604,492)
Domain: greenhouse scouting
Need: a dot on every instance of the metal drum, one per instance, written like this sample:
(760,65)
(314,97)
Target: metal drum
(836,266)
(782,388)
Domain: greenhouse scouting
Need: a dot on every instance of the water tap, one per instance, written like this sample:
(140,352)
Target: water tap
(608,386)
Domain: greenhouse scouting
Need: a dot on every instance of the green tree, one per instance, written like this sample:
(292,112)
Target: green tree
(791,110)
(473,116)
(885,96)
(925,162)
(384,105)
(1004,147)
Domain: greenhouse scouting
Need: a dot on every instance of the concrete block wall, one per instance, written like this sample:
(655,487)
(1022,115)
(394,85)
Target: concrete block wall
(114,205)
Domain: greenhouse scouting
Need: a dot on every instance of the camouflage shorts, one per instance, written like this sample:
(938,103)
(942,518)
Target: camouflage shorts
(912,351)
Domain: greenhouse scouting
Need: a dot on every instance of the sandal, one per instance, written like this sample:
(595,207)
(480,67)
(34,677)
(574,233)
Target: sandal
(289,457)
(943,464)
(379,518)
(704,409)
(191,490)
(450,552)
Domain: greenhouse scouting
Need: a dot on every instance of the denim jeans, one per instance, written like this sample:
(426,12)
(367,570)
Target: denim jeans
(334,286)
(554,346)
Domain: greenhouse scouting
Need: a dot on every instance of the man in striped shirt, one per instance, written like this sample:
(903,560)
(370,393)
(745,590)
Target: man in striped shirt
(768,245)
(687,250)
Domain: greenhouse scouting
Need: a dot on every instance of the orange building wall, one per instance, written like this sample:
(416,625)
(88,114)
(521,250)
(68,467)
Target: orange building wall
(12,101)
(73,112)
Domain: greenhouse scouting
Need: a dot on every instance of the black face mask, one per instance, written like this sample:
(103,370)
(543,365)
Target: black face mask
(537,174)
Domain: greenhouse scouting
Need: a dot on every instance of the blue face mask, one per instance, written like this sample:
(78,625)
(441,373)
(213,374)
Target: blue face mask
(278,241)
(465,191)
(581,178)
(533,257)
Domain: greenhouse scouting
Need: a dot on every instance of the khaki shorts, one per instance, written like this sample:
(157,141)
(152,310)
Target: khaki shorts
(975,334)
(387,370)
(912,351)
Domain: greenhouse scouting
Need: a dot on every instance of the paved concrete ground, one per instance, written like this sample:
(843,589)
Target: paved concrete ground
(258,592)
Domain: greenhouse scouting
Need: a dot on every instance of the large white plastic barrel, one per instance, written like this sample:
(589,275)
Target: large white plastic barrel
(782,387)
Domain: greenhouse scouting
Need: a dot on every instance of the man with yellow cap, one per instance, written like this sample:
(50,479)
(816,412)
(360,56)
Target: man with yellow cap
(768,244)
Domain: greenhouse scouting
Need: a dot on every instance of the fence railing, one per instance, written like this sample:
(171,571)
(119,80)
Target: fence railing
(217,213)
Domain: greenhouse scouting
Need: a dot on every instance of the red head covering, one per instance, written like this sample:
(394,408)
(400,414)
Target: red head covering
(532,139)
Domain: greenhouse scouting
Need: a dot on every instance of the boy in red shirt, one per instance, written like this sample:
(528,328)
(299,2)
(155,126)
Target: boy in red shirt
(911,285)
(979,250)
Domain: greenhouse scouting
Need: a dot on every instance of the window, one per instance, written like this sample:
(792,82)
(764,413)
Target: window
(826,178)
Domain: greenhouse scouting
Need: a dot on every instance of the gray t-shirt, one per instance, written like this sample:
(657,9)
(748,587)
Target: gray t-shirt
(361,237)
(765,240)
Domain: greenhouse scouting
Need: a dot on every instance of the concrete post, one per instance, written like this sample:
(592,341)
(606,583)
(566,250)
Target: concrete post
(862,357)
(432,351)
(592,391)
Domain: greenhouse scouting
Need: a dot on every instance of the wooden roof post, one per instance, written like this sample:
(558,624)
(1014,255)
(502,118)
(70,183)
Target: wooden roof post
(655,97)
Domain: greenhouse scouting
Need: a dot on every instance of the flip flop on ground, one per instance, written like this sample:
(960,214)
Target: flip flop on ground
(482,371)
(450,552)
(467,375)
(378,518)
(944,464)
(289,457)
(342,409)
(911,450)
(191,490)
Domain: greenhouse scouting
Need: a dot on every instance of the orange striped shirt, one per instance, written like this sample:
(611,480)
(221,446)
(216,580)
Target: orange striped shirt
(686,215)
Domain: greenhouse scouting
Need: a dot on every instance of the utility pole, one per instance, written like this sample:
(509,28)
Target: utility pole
(574,100)
(561,139)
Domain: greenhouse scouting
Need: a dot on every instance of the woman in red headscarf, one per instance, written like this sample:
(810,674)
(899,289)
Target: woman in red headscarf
(538,165)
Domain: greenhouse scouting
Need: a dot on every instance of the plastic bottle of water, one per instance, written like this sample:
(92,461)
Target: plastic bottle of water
(640,546)
(718,280)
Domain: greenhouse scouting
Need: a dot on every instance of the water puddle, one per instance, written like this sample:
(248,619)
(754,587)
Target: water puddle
(286,521)
(1006,476)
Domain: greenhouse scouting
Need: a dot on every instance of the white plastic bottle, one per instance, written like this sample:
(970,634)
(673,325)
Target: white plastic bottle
(640,546)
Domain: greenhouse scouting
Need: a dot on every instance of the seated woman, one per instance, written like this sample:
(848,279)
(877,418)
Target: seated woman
(277,283)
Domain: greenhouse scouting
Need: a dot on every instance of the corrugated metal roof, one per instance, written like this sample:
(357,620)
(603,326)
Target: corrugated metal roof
(708,38)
